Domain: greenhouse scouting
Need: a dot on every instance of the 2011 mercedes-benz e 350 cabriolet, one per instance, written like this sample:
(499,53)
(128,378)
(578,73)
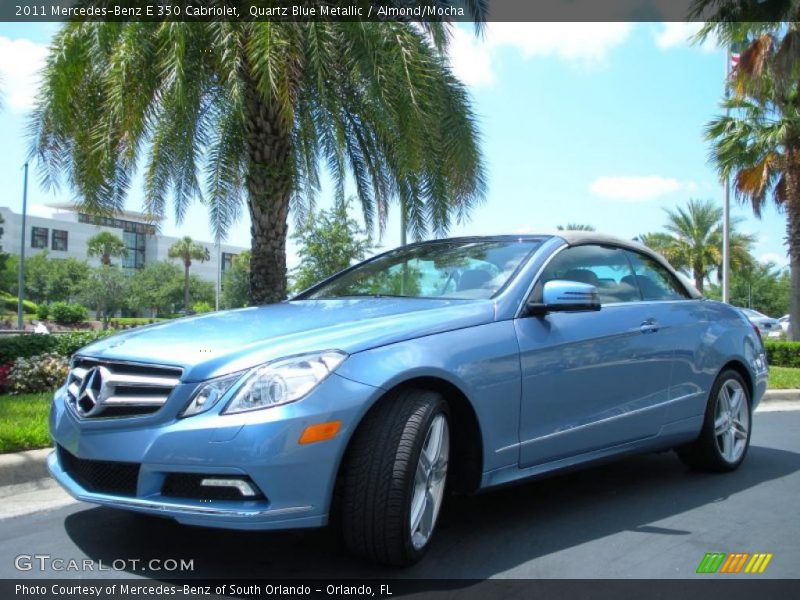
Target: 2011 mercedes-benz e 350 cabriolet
(450,365)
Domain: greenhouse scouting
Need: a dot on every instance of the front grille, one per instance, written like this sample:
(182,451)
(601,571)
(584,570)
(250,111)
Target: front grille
(187,485)
(100,476)
(103,389)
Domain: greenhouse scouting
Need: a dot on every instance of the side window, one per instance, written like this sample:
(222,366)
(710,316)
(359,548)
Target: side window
(604,267)
(656,282)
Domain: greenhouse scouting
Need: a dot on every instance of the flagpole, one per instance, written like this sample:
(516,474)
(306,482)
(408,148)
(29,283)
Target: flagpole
(219,275)
(21,274)
(726,203)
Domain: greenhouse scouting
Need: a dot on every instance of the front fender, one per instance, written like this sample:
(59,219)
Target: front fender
(481,361)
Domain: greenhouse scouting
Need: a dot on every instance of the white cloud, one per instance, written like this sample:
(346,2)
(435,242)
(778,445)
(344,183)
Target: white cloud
(20,62)
(678,34)
(634,188)
(583,42)
(470,58)
(586,44)
(780,260)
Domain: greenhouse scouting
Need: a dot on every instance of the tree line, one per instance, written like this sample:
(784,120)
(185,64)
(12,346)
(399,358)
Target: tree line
(161,288)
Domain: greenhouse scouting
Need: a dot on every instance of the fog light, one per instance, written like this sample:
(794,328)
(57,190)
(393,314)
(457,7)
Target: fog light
(245,489)
(320,432)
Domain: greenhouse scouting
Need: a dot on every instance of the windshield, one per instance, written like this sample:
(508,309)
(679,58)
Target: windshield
(450,269)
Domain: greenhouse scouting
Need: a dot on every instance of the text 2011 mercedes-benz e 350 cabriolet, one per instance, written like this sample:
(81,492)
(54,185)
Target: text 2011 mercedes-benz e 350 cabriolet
(456,364)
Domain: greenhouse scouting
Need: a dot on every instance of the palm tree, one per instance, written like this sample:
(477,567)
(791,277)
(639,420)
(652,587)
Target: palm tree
(658,241)
(575,227)
(105,245)
(693,241)
(758,141)
(186,249)
(254,108)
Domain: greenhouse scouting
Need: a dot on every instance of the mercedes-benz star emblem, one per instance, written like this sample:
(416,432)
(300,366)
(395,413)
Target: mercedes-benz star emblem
(91,392)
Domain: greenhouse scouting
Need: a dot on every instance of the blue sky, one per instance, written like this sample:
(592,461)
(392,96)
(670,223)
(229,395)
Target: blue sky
(595,123)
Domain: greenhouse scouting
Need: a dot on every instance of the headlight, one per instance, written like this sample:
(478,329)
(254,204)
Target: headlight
(283,381)
(209,394)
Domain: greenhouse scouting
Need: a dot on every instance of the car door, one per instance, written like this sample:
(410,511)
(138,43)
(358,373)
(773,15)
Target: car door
(591,380)
(683,325)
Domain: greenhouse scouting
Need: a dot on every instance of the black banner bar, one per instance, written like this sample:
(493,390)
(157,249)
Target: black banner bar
(352,10)
(466,589)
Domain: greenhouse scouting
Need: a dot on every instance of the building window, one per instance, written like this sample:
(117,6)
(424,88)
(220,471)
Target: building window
(227,260)
(132,226)
(60,240)
(135,243)
(39,237)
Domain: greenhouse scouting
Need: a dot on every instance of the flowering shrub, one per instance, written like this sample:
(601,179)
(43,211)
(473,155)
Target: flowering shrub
(41,373)
(5,369)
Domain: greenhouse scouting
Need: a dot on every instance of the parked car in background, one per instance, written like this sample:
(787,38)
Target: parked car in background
(765,324)
(784,323)
(458,365)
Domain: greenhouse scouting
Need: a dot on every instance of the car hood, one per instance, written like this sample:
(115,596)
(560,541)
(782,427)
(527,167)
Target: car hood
(214,344)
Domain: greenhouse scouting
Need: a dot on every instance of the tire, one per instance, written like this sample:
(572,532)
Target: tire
(386,477)
(725,437)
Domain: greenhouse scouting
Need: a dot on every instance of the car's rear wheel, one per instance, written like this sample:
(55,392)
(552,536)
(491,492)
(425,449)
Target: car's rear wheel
(725,437)
(395,476)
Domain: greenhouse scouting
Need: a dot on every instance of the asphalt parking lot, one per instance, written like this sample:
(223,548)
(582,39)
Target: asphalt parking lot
(643,517)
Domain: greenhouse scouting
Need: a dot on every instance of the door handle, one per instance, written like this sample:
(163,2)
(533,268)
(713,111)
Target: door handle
(649,326)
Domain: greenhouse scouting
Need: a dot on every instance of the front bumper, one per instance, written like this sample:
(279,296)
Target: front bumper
(296,480)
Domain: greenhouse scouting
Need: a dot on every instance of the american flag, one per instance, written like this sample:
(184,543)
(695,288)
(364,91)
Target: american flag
(735,55)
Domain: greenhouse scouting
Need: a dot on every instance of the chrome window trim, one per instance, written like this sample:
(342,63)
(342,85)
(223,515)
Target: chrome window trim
(529,291)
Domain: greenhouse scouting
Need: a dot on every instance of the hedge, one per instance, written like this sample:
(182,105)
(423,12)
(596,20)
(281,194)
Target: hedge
(10,304)
(25,346)
(14,347)
(783,354)
(68,314)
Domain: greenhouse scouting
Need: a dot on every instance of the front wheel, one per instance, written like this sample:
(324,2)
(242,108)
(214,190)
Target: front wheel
(395,477)
(725,437)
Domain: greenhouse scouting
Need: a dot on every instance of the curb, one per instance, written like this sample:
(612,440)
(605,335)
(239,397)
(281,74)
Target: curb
(781,396)
(23,467)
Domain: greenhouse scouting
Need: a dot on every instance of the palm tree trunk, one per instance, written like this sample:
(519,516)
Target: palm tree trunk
(269,188)
(793,236)
(698,278)
(185,286)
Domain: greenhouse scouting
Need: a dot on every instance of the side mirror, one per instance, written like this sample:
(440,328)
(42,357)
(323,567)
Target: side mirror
(565,296)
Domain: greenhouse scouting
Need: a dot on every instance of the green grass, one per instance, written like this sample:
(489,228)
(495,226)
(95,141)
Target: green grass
(784,378)
(23,422)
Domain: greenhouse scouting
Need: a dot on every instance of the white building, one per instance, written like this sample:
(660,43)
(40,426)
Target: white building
(67,232)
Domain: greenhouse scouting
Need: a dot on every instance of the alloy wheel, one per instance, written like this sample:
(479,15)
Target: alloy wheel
(731,421)
(429,481)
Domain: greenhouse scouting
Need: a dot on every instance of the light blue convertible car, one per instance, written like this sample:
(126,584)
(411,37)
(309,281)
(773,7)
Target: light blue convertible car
(445,366)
